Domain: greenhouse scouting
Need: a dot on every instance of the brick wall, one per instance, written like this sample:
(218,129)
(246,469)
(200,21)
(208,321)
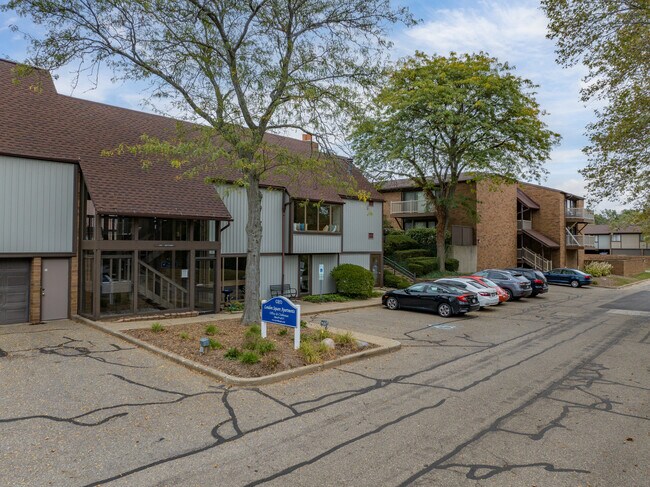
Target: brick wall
(623,265)
(35,291)
(496,230)
(388,197)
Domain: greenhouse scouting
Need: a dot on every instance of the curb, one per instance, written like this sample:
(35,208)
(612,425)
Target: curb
(386,345)
(330,310)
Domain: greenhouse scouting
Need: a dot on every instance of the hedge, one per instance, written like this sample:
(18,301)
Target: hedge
(403,255)
(425,237)
(424,265)
(395,281)
(353,280)
(398,241)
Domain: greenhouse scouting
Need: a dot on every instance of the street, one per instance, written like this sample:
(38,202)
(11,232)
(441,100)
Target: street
(548,391)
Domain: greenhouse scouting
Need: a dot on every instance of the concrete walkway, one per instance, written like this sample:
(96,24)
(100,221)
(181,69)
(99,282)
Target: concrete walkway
(306,310)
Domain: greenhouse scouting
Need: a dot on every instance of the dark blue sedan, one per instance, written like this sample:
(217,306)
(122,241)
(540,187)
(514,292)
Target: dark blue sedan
(572,277)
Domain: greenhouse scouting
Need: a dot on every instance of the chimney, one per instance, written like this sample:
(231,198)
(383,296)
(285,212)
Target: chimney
(308,138)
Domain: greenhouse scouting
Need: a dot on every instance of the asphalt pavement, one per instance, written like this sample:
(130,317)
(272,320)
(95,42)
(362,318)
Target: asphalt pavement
(549,391)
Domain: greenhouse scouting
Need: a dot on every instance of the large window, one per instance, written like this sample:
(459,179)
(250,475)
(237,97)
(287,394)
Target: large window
(410,223)
(163,229)
(116,227)
(233,278)
(315,217)
(117,283)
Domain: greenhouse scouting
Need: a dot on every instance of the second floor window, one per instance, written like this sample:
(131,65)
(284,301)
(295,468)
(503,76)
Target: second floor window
(616,237)
(314,217)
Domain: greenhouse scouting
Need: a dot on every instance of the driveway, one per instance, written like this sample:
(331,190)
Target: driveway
(547,391)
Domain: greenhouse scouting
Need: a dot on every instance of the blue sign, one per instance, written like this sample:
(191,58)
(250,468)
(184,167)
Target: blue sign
(280,311)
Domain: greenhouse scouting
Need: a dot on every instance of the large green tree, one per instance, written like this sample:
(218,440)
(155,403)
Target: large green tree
(612,39)
(438,117)
(243,68)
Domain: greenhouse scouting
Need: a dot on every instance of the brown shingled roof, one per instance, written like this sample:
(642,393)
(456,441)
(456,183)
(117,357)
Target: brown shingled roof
(50,126)
(606,229)
(401,184)
(526,200)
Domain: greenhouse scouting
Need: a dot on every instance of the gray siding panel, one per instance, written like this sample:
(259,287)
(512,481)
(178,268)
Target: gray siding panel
(270,273)
(316,244)
(330,261)
(362,260)
(234,238)
(359,220)
(36,206)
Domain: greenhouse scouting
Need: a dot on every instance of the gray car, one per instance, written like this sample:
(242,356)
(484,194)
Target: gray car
(514,283)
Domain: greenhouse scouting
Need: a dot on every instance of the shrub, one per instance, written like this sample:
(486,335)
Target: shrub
(425,237)
(403,255)
(598,269)
(211,330)
(452,264)
(422,265)
(398,241)
(283,332)
(214,344)
(157,328)
(232,353)
(353,280)
(327,298)
(184,335)
(234,306)
(344,339)
(395,281)
(249,357)
(253,331)
(312,352)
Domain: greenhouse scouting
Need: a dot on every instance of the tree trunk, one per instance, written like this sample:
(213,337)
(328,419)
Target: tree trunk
(252,304)
(441,226)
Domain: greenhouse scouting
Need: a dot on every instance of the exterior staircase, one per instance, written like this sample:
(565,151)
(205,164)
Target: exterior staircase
(533,259)
(160,290)
(398,269)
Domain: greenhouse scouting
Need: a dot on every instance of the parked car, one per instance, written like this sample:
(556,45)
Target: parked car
(573,277)
(515,284)
(430,296)
(503,296)
(486,295)
(537,279)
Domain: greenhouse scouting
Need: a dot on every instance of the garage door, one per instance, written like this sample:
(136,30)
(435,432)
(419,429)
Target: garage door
(14,291)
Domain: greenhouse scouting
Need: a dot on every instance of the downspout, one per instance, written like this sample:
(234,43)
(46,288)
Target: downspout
(284,212)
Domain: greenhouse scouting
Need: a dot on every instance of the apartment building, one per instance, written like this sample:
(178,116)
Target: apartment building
(516,224)
(626,240)
(99,236)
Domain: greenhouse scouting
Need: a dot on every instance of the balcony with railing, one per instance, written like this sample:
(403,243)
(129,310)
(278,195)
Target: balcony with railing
(411,207)
(579,215)
(580,241)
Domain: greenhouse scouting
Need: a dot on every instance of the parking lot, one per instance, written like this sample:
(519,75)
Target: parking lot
(553,390)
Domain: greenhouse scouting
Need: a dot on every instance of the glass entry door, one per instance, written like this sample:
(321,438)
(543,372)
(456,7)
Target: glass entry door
(304,273)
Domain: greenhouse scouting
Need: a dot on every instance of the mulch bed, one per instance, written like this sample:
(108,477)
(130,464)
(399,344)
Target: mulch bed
(231,334)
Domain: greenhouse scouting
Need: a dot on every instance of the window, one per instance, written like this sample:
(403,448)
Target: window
(163,229)
(314,217)
(116,227)
(417,288)
(233,278)
(616,237)
(410,223)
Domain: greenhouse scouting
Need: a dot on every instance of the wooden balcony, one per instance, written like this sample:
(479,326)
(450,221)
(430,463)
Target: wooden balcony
(411,208)
(580,241)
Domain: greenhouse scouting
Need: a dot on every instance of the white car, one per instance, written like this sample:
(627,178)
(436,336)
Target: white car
(487,296)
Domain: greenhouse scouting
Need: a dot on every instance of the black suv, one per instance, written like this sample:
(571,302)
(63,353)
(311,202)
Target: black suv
(537,279)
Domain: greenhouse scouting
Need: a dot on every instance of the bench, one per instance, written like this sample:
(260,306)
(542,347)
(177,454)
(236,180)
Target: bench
(283,290)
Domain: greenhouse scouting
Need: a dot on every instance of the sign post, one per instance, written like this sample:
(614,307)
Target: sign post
(281,311)
(321,278)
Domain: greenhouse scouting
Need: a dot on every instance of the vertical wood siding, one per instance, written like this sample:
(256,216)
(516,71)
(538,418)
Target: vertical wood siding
(316,243)
(359,220)
(270,273)
(362,260)
(330,261)
(36,206)
(234,238)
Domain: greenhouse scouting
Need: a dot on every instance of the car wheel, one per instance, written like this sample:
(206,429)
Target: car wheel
(444,310)
(533,295)
(575,283)
(392,303)
(509,293)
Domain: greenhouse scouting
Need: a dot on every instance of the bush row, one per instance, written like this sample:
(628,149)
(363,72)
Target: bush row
(599,269)
(421,266)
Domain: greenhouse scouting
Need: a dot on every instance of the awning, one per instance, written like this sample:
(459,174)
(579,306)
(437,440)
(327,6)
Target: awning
(541,238)
(526,200)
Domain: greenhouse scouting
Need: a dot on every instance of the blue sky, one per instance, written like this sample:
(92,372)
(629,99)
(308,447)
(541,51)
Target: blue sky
(513,31)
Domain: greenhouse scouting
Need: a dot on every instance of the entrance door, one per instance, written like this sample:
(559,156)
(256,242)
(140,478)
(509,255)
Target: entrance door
(14,291)
(55,283)
(375,268)
(304,274)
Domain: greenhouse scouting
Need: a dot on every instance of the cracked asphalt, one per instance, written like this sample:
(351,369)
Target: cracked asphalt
(550,391)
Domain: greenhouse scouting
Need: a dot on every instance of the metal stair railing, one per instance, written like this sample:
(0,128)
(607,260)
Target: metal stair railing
(161,289)
(398,268)
(534,259)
